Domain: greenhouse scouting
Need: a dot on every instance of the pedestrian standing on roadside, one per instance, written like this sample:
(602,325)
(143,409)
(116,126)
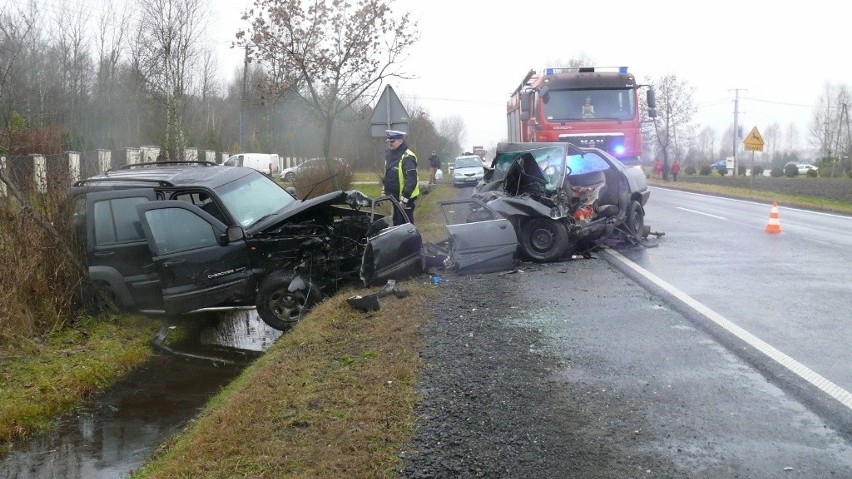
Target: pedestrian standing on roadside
(434,165)
(400,179)
(675,169)
(658,168)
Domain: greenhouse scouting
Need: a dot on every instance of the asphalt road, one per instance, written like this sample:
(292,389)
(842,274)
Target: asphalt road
(786,295)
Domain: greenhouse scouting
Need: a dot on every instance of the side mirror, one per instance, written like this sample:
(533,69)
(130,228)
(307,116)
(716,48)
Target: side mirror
(525,106)
(233,233)
(652,104)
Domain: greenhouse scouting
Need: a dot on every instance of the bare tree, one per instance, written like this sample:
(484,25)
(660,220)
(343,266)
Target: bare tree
(791,136)
(170,33)
(15,28)
(771,138)
(826,121)
(452,129)
(675,108)
(73,49)
(331,53)
(707,143)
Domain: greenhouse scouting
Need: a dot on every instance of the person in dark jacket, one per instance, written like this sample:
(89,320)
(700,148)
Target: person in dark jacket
(400,179)
(434,164)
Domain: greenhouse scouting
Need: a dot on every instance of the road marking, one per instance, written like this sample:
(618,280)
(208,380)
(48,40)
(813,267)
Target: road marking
(797,368)
(700,213)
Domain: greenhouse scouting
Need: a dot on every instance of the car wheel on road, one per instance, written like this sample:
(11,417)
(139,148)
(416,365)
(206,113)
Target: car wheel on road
(544,240)
(281,308)
(290,177)
(635,221)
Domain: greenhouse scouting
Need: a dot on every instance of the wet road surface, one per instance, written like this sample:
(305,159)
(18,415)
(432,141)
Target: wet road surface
(116,432)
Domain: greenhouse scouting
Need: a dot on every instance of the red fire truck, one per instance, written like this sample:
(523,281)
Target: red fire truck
(479,151)
(587,106)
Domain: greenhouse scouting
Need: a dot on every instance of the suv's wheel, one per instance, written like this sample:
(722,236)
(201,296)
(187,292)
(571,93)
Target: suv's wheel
(290,177)
(544,240)
(281,308)
(635,221)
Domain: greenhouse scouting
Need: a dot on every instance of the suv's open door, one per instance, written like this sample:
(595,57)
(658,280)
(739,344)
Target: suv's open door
(393,251)
(198,266)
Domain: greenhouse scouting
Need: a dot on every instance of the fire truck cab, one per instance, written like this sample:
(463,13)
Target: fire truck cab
(595,107)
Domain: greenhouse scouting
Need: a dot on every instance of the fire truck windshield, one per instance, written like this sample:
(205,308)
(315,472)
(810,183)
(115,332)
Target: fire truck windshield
(590,104)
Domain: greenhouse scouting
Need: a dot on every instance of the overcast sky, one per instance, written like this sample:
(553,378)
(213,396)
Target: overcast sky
(472,55)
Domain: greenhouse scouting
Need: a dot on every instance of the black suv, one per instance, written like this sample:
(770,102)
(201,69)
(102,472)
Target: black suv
(177,237)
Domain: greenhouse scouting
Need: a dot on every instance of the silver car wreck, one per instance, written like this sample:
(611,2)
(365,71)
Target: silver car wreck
(561,199)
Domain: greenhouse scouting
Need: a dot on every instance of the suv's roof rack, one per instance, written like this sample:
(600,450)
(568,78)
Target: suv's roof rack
(115,179)
(143,164)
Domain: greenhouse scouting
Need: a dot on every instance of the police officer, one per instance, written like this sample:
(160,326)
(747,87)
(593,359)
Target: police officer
(400,179)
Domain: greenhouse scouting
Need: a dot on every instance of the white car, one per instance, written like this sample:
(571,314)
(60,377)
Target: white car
(467,170)
(804,168)
(290,174)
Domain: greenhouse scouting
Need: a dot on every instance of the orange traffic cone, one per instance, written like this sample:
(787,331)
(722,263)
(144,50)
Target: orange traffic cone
(773,226)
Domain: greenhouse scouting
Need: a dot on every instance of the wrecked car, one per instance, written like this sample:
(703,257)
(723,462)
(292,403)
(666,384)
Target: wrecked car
(177,237)
(561,198)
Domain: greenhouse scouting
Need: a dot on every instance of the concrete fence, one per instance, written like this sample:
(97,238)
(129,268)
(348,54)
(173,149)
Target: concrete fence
(43,173)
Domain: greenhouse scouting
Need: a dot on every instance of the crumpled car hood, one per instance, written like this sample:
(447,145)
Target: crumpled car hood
(297,211)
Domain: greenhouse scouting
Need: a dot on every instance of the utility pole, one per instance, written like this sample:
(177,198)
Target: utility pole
(736,132)
(243,101)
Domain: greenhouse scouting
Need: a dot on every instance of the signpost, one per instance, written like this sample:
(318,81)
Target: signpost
(388,114)
(753,142)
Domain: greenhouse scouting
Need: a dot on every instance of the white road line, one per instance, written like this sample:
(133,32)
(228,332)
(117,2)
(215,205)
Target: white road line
(797,368)
(701,213)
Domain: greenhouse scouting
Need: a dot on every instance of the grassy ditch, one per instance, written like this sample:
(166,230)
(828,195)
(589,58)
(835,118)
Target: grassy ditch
(44,377)
(333,397)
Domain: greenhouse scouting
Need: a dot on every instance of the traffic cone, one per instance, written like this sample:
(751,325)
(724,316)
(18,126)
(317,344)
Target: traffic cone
(773,226)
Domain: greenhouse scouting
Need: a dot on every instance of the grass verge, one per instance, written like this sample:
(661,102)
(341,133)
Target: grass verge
(334,397)
(799,201)
(42,378)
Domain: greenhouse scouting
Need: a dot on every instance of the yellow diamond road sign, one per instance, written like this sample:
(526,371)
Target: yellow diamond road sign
(753,142)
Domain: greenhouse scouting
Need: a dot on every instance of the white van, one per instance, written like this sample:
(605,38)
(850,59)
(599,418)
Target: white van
(267,163)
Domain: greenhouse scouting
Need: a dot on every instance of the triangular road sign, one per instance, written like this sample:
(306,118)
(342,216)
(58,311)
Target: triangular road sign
(388,114)
(753,142)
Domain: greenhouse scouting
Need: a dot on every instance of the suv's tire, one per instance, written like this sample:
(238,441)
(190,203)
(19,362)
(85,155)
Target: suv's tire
(544,240)
(280,308)
(290,177)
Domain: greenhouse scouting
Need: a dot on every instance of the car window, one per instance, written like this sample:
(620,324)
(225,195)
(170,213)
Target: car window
(253,197)
(467,162)
(116,221)
(586,163)
(176,229)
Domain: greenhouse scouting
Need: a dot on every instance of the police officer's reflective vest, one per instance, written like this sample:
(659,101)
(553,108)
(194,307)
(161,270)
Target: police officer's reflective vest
(401,174)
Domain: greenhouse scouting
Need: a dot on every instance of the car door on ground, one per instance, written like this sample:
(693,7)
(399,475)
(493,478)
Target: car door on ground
(196,264)
(482,241)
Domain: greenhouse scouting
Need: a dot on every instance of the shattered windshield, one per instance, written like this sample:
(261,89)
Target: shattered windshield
(610,104)
(586,163)
(550,160)
(253,197)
